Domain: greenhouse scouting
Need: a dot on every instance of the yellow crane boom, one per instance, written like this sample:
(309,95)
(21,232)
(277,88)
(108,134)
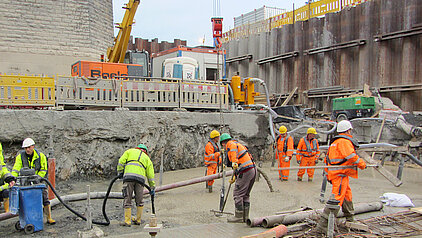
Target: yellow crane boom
(116,53)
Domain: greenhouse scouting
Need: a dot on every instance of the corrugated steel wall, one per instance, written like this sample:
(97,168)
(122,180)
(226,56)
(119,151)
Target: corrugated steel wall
(384,63)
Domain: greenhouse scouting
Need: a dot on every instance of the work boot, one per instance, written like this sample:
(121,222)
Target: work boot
(6,204)
(246,206)
(299,179)
(348,210)
(210,189)
(238,214)
(47,211)
(285,179)
(310,179)
(137,220)
(128,215)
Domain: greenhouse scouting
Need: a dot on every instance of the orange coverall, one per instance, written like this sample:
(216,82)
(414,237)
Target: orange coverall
(307,153)
(212,159)
(342,152)
(285,148)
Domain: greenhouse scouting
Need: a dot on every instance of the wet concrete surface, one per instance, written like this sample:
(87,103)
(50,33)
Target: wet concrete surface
(186,210)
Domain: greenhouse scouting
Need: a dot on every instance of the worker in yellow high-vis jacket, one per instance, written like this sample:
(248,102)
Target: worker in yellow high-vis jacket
(34,159)
(136,168)
(7,181)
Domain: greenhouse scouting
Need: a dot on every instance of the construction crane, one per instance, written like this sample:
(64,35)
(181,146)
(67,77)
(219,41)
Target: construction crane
(120,61)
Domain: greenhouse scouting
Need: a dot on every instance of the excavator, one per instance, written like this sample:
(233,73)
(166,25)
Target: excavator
(120,61)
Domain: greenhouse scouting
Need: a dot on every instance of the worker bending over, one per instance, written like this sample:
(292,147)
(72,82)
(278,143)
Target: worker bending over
(33,159)
(284,153)
(342,151)
(307,154)
(212,156)
(7,181)
(244,176)
(135,167)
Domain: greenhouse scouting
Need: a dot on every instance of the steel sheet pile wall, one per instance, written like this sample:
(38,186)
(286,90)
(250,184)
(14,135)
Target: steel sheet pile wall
(339,49)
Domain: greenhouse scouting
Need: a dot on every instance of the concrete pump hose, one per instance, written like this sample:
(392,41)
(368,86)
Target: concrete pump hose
(268,103)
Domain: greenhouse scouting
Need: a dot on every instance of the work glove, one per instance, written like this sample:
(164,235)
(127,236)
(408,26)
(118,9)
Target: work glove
(12,183)
(298,161)
(316,161)
(232,179)
(286,159)
(235,166)
(152,192)
(217,155)
(120,175)
(362,166)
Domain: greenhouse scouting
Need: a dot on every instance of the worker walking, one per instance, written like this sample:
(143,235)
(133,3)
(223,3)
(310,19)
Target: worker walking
(244,176)
(285,149)
(135,168)
(33,159)
(307,154)
(212,156)
(7,181)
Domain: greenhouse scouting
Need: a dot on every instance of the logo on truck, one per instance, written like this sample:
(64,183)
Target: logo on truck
(98,74)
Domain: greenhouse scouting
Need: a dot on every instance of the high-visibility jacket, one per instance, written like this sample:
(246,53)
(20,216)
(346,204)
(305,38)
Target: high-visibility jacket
(212,153)
(37,162)
(4,172)
(285,146)
(307,149)
(238,153)
(136,166)
(342,152)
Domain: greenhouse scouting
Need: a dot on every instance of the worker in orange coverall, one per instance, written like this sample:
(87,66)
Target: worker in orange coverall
(285,149)
(342,151)
(212,156)
(307,154)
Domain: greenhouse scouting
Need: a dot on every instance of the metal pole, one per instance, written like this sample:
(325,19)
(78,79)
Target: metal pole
(324,167)
(161,169)
(88,209)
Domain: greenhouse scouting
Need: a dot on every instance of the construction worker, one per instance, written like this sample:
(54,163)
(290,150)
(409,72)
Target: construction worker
(307,154)
(7,181)
(34,159)
(342,151)
(212,156)
(285,149)
(135,168)
(244,176)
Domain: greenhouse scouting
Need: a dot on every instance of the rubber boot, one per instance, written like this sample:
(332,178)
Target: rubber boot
(6,204)
(348,210)
(128,215)
(299,178)
(238,214)
(210,188)
(246,206)
(47,211)
(137,220)
(310,179)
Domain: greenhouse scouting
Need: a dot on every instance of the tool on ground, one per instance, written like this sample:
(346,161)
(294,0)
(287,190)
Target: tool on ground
(383,171)
(323,187)
(219,213)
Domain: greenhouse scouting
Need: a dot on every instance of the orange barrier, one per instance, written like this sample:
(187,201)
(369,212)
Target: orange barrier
(51,176)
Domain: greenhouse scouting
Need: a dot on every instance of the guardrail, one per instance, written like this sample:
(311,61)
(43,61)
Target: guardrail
(314,9)
(37,91)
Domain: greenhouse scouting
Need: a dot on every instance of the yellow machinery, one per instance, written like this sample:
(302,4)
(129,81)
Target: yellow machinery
(243,93)
(116,53)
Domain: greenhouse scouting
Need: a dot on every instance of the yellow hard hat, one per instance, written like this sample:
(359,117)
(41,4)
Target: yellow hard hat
(311,130)
(214,134)
(282,129)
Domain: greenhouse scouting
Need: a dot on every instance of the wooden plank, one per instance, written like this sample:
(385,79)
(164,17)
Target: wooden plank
(416,209)
(383,171)
(289,97)
(379,134)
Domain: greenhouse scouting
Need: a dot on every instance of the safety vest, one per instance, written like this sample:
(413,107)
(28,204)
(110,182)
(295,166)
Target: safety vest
(342,151)
(136,166)
(286,151)
(238,153)
(3,169)
(309,151)
(210,158)
(38,162)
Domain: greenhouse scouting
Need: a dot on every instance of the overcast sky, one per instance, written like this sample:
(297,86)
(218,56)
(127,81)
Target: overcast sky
(189,19)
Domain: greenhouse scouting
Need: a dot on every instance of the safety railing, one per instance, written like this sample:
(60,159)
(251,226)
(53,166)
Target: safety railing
(112,93)
(21,91)
(314,9)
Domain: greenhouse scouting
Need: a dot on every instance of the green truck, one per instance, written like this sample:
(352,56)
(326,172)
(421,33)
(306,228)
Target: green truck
(353,107)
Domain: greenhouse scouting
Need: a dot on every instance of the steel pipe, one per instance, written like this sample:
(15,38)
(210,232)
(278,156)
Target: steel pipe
(7,215)
(278,231)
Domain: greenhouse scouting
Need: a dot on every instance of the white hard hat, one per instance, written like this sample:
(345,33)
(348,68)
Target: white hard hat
(28,142)
(344,125)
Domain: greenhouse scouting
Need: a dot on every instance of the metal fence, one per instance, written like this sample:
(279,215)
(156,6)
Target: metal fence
(35,91)
(314,9)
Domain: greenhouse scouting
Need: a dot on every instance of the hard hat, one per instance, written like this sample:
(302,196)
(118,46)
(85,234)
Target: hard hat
(142,146)
(311,130)
(282,129)
(214,134)
(225,136)
(28,142)
(344,126)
